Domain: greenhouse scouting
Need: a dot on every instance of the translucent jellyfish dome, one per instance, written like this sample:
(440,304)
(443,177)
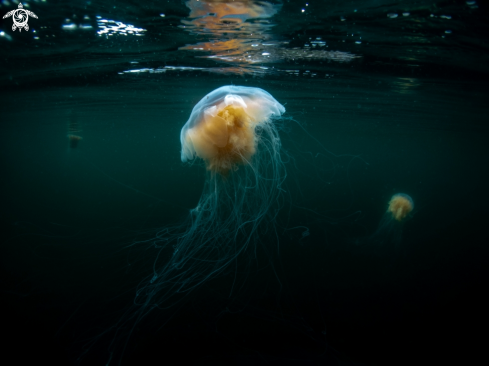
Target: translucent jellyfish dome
(221,129)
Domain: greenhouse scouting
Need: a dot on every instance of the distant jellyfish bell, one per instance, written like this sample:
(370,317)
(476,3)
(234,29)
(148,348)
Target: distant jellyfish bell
(387,238)
(400,206)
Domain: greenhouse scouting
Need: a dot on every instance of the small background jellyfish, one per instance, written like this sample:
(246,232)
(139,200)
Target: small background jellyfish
(387,238)
(232,130)
(74,131)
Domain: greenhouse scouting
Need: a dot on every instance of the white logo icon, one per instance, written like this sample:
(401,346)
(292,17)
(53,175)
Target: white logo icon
(20,17)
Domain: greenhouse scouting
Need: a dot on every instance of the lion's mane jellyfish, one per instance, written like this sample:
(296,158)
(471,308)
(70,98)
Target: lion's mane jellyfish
(388,236)
(74,132)
(400,206)
(232,130)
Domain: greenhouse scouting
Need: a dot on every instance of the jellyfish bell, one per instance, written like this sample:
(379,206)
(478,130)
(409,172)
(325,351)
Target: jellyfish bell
(400,206)
(222,127)
(74,140)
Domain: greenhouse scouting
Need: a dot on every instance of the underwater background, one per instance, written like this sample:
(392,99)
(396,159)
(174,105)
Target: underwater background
(381,97)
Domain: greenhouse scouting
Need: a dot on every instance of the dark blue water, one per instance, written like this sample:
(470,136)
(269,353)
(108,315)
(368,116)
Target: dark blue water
(381,97)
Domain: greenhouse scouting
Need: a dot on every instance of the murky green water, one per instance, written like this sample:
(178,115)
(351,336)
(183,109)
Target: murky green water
(380,98)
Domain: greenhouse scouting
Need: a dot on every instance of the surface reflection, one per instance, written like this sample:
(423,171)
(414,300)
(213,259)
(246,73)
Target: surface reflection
(223,16)
(240,33)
